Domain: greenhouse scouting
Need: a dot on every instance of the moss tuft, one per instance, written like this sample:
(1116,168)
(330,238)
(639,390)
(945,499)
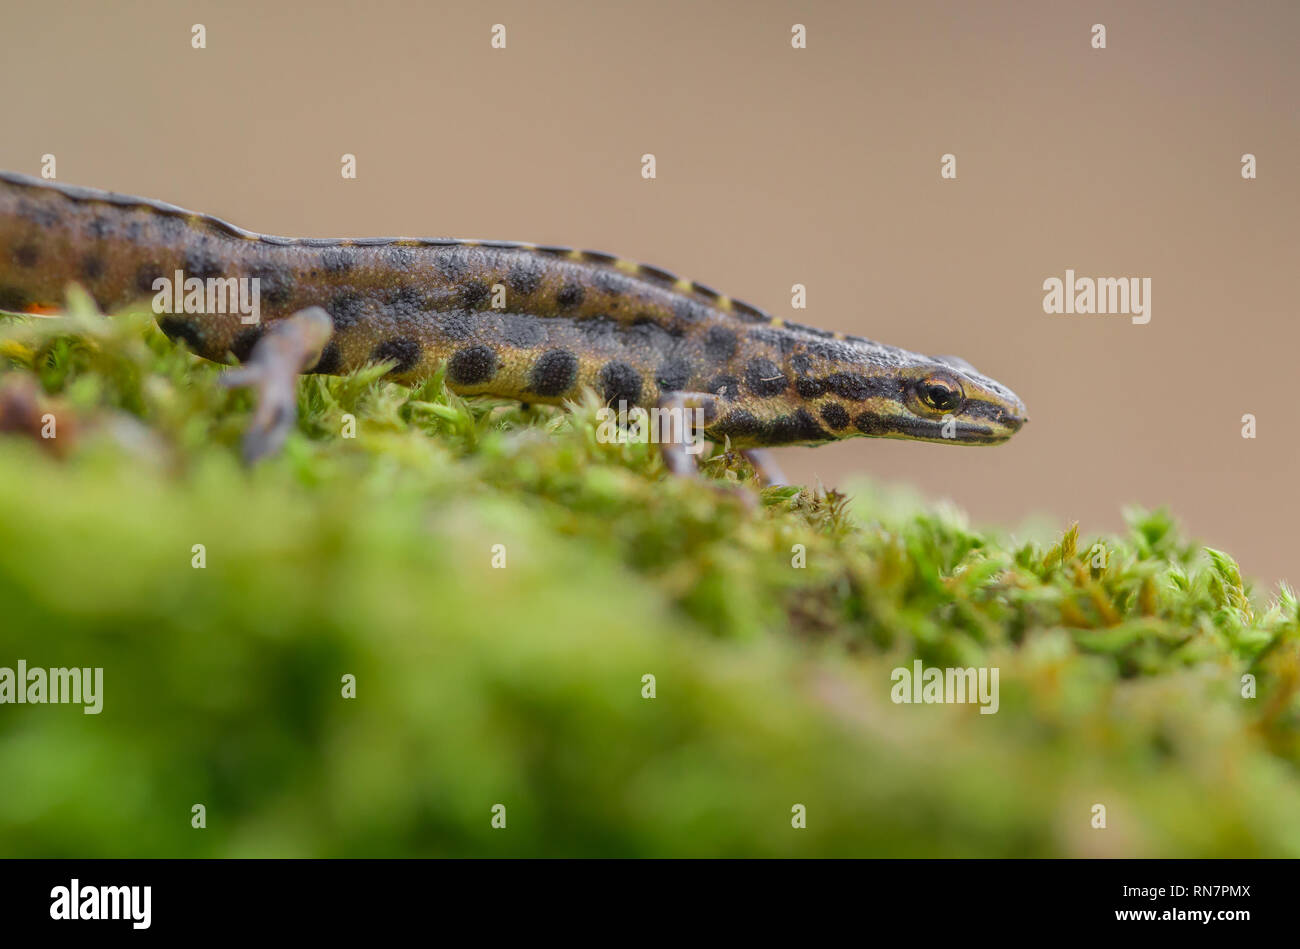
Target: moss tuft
(1121,659)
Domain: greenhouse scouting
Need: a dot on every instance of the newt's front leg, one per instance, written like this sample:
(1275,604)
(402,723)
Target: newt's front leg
(765,466)
(285,350)
(682,418)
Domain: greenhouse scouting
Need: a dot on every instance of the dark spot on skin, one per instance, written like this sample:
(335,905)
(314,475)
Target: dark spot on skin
(99,227)
(869,423)
(834,415)
(92,267)
(405,351)
(808,387)
(242,345)
(849,386)
(570,295)
(472,365)
(521,330)
(336,260)
(274,288)
(554,373)
(765,378)
(134,229)
(737,424)
(893,388)
(331,360)
(524,278)
(26,255)
(719,344)
(202,263)
(728,387)
(405,302)
(673,375)
(799,427)
(145,276)
(412,297)
(619,382)
(179,328)
(11,298)
(345,310)
(855,387)
(473,293)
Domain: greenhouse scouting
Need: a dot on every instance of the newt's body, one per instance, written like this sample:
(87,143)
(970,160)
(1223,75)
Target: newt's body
(570,319)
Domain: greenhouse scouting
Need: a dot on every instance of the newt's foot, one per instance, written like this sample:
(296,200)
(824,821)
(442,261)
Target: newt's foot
(286,348)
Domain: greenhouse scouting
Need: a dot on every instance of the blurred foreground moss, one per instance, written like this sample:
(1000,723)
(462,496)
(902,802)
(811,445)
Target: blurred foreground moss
(1121,658)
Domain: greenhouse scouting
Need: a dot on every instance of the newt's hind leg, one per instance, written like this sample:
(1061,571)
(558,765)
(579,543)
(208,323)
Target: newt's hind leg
(286,348)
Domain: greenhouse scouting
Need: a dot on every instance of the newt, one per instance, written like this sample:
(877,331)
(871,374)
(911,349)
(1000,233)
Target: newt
(521,321)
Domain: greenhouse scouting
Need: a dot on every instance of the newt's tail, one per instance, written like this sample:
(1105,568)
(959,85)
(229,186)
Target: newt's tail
(115,246)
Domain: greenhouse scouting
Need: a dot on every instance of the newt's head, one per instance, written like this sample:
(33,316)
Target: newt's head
(831,389)
(945,399)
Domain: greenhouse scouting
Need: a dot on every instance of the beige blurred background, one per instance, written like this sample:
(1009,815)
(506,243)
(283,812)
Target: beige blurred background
(779,166)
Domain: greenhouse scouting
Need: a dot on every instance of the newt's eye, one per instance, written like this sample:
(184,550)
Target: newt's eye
(940,393)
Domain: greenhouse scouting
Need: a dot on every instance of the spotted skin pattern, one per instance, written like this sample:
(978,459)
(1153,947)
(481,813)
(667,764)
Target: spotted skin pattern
(571,319)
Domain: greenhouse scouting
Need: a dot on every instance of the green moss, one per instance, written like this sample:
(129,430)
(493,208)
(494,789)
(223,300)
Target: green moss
(1121,658)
